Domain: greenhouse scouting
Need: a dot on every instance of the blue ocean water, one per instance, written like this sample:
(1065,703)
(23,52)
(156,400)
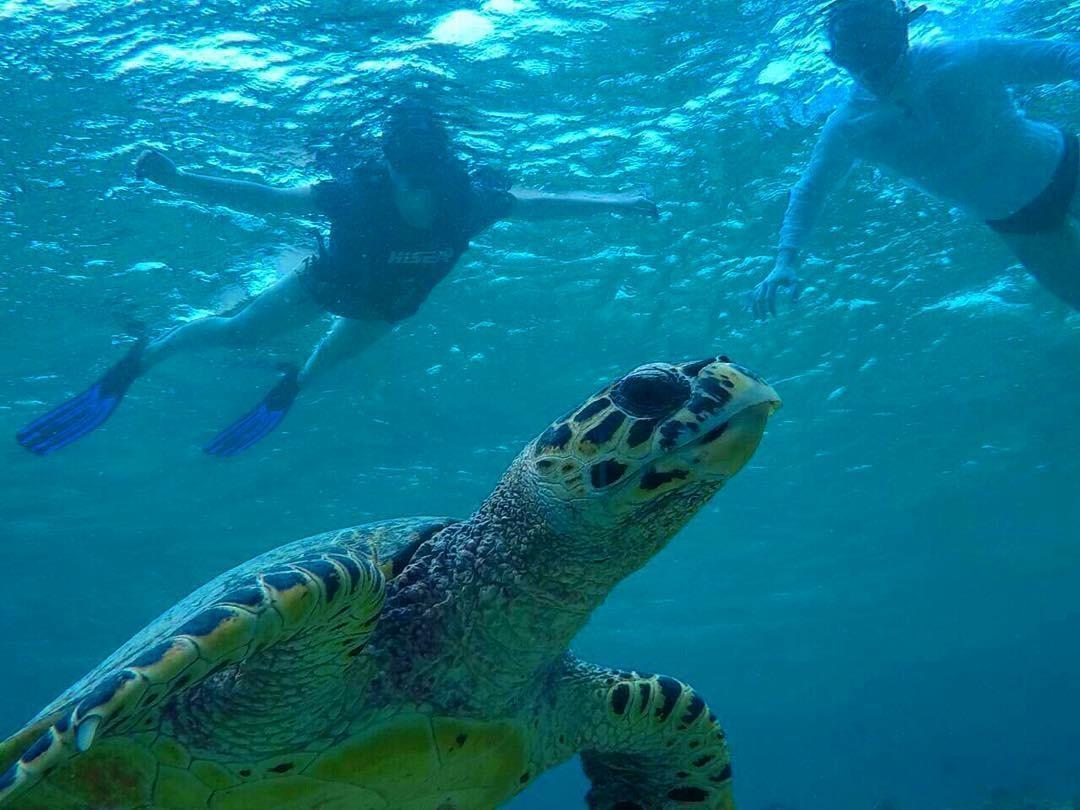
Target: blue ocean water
(882,606)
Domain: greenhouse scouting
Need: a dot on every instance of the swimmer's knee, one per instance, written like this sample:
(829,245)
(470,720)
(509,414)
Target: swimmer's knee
(230,330)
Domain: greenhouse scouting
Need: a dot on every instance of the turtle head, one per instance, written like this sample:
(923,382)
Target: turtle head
(631,465)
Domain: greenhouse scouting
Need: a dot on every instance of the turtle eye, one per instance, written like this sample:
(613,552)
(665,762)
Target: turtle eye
(651,392)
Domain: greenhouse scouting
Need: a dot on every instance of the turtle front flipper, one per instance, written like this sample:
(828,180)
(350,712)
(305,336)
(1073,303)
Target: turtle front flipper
(13,747)
(246,666)
(647,742)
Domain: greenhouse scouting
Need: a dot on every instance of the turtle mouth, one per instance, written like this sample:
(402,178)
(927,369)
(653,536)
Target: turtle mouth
(723,450)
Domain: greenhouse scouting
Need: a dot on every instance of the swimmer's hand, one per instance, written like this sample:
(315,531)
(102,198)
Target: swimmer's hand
(640,203)
(152,165)
(783,276)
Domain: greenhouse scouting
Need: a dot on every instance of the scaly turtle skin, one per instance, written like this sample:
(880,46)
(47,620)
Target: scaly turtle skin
(422,664)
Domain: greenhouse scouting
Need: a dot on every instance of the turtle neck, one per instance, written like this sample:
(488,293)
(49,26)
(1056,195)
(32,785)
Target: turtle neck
(494,600)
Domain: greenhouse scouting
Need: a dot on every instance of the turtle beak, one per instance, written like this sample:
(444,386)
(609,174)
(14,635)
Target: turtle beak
(727,453)
(728,438)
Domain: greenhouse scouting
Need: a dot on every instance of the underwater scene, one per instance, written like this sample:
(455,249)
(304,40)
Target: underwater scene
(717,453)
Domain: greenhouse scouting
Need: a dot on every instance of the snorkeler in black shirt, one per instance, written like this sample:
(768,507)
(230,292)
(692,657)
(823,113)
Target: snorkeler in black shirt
(398,224)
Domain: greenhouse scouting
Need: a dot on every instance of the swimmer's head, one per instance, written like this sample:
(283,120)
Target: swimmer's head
(416,144)
(429,180)
(869,38)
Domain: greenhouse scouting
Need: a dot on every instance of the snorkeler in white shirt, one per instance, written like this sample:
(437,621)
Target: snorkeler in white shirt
(940,117)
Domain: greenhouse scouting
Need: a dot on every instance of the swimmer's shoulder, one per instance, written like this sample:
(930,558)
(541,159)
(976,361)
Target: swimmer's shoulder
(945,57)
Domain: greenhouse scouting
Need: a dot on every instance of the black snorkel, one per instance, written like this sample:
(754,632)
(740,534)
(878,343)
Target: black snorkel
(869,39)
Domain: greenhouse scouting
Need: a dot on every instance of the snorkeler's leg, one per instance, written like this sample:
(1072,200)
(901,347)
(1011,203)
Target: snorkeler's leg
(1053,258)
(280,308)
(346,338)
(83,413)
(283,306)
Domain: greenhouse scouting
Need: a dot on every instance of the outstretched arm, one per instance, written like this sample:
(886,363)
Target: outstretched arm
(533,204)
(647,742)
(829,162)
(257,198)
(1028,61)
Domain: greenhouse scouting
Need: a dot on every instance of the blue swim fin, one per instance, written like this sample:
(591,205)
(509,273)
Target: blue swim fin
(80,415)
(260,421)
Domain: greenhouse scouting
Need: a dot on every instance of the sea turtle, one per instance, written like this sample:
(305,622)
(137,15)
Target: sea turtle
(422,664)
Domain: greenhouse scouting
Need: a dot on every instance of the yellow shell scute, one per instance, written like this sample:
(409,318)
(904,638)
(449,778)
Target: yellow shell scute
(297,793)
(470,799)
(211,774)
(416,761)
(363,759)
(490,757)
(178,789)
(171,753)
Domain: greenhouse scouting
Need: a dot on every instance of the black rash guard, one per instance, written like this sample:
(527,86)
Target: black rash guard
(377,266)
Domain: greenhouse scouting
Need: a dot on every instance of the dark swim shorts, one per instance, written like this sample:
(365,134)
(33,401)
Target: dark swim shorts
(1048,211)
(388,292)
(321,282)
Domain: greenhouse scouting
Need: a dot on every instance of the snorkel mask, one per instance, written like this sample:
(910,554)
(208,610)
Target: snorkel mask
(868,38)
